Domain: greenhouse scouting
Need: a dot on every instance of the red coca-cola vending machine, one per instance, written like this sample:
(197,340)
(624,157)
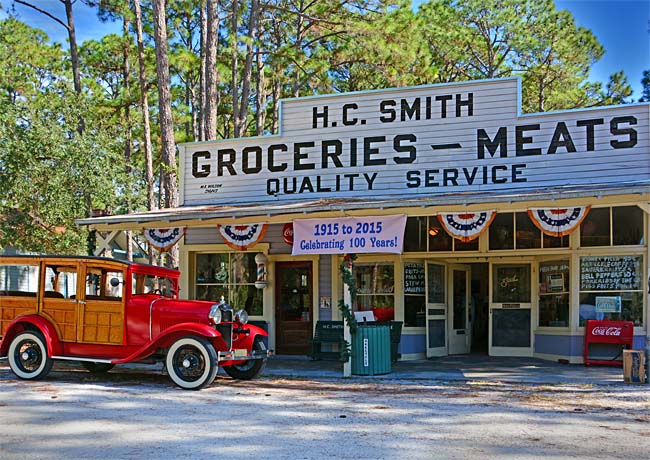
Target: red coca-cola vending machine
(606,340)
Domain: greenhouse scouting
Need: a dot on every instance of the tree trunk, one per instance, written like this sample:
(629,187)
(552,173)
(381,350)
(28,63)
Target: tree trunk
(260,91)
(168,154)
(126,70)
(202,70)
(234,68)
(74,56)
(240,121)
(211,96)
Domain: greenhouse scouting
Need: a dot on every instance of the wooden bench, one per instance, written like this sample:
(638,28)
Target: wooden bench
(327,332)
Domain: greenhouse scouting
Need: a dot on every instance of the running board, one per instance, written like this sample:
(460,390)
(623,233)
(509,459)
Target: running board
(78,358)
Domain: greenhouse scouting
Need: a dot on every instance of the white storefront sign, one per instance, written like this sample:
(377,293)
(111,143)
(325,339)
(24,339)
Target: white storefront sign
(418,142)
(611,304)
(382,234)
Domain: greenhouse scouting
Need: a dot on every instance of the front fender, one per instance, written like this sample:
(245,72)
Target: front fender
(170,335)
(24,323)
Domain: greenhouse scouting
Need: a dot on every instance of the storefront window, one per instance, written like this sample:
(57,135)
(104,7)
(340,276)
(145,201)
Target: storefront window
(375,289)
(627,223)
(511,283)
(611,287)
(594,229)
(414,294)
(415,234)
(516,231)
(554,293)
(231,276)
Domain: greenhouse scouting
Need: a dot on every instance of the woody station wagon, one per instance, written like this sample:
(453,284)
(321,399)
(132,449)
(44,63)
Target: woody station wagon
(103,312)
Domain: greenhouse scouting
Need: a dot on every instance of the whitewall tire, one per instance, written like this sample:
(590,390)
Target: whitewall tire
(28,357)
(192,363)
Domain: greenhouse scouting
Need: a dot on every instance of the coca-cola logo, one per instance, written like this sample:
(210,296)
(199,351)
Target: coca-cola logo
(287,233)
(603,330)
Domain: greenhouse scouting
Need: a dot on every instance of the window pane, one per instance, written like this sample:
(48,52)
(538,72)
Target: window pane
(439,239)
(60,281)
(244,268)
(511,283)
(415,234)
(375,287)
(212,268)
(414,294)
(247,297)
(502,232)
(594,230)
(631,307)
(212,293)
(528,236)
(554,242)
(17,279)
(554,293)
(611,273)
(469,246)
(628,225)
(436,283)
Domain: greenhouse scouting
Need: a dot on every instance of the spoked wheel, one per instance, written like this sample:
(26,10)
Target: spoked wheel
(249,369)
(97,368)
(28,357)
(192,363)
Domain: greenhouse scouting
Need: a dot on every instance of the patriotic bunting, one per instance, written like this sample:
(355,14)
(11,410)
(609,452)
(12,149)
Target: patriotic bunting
(466,226)
(558,222)
(242,237)
(164,238)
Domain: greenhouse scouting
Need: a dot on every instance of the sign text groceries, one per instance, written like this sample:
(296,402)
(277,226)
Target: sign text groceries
(323,165)
(384,234)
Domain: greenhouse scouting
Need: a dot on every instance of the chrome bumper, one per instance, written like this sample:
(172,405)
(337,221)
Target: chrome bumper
(243,355)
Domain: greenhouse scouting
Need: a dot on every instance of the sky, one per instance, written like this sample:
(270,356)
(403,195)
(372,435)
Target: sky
(621,26)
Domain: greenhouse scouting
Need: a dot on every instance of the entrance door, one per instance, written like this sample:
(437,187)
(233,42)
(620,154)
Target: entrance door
(294,310)
(436,310)
(511,331)
(459,295)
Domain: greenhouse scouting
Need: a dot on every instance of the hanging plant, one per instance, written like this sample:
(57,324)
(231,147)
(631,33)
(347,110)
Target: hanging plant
(346,310)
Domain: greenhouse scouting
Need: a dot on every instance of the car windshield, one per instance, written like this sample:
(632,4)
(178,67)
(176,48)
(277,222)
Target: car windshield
(149,284)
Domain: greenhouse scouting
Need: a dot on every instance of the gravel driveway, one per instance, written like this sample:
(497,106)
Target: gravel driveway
(139,415)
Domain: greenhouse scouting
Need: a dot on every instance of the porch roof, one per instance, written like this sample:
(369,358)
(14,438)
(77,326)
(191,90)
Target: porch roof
(207,215)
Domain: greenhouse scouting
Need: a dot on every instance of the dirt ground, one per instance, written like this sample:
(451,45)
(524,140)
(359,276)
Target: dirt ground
(128,415)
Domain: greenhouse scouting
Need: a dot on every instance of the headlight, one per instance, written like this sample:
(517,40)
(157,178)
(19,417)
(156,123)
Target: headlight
(242,316)
(215,314)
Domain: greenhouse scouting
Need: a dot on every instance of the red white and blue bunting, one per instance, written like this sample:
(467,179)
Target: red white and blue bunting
(466,226)
(242,237)
(558,222)
(164,238)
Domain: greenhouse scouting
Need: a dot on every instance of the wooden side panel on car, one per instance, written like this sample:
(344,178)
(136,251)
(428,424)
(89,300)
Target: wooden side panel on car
(63,313)
(102,321)
(13,305)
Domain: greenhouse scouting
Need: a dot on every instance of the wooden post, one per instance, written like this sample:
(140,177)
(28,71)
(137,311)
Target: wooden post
(347,336)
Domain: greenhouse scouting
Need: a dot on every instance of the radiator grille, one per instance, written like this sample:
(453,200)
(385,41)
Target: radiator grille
(226,332)
(226,315)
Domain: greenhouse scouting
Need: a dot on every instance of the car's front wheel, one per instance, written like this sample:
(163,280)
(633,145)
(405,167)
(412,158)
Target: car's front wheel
(28,356)
(249,369)
(192,363)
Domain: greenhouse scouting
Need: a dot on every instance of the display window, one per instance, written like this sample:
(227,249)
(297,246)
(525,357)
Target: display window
(375,283)
(618,226)
(414,294)
(516,231)
(231,276)
(611,288)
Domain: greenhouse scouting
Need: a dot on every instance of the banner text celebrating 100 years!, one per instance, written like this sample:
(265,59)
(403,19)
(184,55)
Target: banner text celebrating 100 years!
(383,234)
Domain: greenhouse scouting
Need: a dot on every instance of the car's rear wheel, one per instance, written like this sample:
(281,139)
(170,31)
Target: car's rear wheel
(28,357)
(249,369)
(97,368)
(192,363)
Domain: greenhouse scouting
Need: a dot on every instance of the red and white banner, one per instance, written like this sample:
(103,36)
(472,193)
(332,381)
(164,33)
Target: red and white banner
(381,234)
(242,237)
(558,221)
(466,226)
(164,238)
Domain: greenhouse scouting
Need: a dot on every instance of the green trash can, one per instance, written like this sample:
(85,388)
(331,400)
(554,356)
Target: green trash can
(371,349)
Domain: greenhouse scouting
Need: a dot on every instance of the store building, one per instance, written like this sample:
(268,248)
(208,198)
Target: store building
(454,159)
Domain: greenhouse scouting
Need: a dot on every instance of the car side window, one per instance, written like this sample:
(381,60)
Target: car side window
(60,281)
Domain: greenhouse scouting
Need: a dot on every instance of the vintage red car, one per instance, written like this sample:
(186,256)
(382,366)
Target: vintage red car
(102,312)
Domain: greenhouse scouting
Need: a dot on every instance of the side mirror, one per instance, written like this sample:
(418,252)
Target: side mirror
(115,282)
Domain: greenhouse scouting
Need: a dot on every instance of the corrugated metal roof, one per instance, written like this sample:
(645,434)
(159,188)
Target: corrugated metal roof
(171,217)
